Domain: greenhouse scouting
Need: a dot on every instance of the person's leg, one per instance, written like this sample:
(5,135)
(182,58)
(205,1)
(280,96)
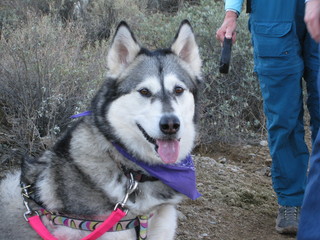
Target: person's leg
(311,60)
(280,66)
(310,213)
(283,106)
(310,56)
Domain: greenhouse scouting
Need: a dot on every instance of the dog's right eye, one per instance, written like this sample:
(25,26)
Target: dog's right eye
(145,92)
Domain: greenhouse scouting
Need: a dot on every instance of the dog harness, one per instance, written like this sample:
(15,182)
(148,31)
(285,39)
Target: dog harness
(98,228)
(36,223)
(91,225)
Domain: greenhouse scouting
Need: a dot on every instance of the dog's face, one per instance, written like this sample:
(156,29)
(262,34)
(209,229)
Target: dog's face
(152,111)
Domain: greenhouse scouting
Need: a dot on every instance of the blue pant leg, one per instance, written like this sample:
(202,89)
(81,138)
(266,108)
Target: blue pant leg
(309,226)
(311,61)
(312,102)
(279,62)
(310,213)
(283,106)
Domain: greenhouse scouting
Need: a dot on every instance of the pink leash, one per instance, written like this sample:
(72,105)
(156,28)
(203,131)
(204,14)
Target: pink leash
(37,225)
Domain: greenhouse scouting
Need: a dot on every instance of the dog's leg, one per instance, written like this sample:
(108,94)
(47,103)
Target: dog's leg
(163,224)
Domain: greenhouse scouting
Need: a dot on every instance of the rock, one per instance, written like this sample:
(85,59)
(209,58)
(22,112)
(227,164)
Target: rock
(222,160)
(264,143)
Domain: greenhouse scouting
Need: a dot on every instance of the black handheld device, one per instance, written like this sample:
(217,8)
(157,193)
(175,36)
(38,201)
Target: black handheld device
(225,56)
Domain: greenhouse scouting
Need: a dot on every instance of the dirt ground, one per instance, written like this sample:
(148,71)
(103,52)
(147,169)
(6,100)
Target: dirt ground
(238,202)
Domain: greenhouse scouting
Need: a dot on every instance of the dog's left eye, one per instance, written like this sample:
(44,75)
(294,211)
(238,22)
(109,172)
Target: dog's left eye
(178,90)
(145,92)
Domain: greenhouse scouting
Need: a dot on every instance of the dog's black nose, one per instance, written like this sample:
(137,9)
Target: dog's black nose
(169,124)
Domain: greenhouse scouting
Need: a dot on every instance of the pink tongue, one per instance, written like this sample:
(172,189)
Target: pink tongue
(168,150)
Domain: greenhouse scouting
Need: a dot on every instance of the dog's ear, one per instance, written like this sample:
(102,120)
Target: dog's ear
(124,49)
(186,48)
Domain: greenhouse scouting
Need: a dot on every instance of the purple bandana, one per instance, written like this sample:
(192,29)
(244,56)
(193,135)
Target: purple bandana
(181,177)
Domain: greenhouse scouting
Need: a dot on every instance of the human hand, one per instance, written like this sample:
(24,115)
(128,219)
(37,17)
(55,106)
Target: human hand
(312,18)
(228,27)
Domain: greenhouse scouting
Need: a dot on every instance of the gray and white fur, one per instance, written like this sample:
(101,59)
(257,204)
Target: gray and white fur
(148,99)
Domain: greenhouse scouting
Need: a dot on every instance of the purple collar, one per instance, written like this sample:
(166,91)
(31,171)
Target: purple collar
(181,177)
(86,113)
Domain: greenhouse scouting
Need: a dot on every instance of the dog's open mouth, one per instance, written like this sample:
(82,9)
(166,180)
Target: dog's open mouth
(168,149)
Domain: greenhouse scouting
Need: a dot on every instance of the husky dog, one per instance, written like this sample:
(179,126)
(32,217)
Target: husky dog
(125,151)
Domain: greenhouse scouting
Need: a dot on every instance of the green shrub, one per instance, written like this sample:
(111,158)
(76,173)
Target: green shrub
(49,72)
(46,77)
